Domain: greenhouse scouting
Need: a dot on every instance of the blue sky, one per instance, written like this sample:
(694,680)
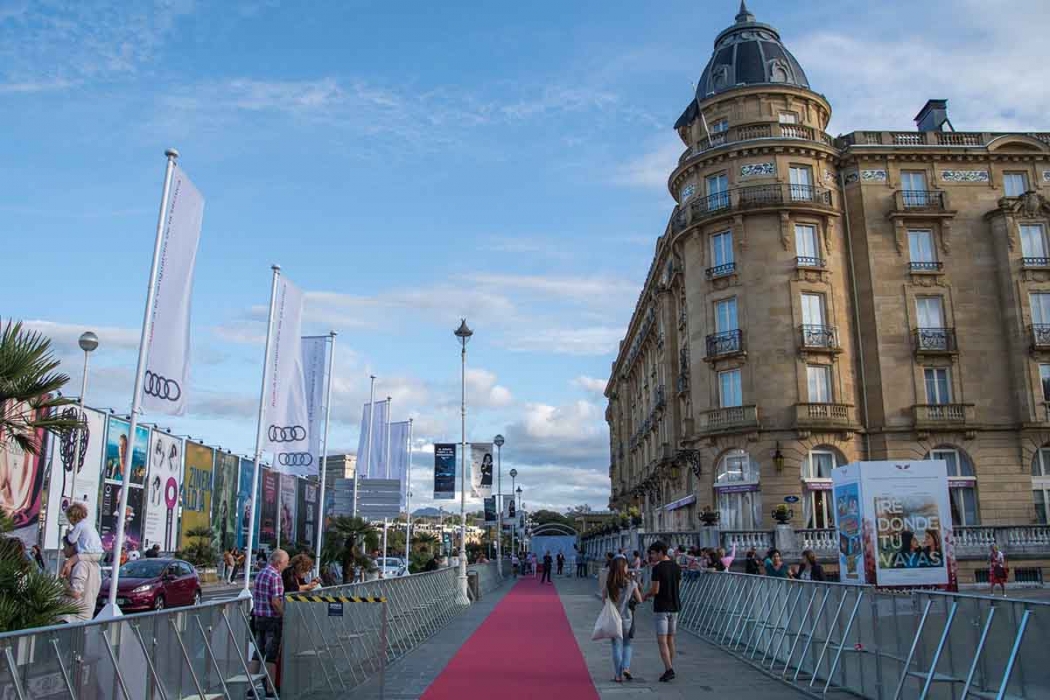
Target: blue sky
(408,164)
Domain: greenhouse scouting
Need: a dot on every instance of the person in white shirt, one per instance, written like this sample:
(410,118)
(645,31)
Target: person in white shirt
(134,555)
(87,545)
(82,584)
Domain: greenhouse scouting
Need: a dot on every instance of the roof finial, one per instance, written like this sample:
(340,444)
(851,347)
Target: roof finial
(744,15)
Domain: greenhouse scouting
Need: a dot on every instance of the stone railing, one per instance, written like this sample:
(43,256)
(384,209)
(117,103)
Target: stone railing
(743,540)
(823,541)
(940,414)
(974,542)
(930,138)
(732,418)
(749,132)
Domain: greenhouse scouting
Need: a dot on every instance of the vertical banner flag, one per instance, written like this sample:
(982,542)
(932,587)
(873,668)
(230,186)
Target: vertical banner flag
(376,449)
(481,469)
(315,367)
(74,475)
(268,512)
(399,450)
(490,509)
(168,346)
(285,415)
(163,488)
(287,510)
(196,490)
(246,503)
(444,471)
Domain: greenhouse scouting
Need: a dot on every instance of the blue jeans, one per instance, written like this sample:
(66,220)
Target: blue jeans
(621,652)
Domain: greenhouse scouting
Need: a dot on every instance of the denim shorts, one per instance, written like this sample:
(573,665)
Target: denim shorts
(268,638)
(666,623)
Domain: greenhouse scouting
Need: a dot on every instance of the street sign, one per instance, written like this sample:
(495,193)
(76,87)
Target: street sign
(790,499)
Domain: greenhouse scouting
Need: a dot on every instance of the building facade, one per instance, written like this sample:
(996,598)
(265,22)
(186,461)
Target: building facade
(815,301)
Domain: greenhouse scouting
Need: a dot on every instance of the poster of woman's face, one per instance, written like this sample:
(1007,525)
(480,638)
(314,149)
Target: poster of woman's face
(117,446)
(21,479)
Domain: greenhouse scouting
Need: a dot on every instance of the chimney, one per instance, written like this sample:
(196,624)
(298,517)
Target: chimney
(933,116)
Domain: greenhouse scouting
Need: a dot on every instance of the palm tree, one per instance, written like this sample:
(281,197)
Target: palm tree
(29,386)
(201,551)
(425,540)
(29,597)
(343,541)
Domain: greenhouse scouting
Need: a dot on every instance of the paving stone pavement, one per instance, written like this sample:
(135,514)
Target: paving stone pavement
(409,676)
(703,670)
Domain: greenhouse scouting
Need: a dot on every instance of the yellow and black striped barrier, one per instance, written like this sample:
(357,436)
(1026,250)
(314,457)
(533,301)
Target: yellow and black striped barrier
(299,598)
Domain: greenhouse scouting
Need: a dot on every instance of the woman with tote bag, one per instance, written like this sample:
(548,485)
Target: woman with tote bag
(620,596)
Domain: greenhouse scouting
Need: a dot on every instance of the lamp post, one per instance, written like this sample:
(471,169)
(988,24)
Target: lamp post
(463,333)
(521,516)
(513,525)
(88,342)
(498,440)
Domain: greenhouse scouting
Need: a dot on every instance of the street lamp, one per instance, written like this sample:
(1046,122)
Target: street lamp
(498,440)
(521,516)
(88,342)
(463,333)
(513,525)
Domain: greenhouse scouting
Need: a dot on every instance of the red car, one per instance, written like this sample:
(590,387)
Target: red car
(154,584)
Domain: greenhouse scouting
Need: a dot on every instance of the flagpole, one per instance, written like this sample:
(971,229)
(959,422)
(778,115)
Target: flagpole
(324,447)
(248,557)
(368,445)
(111,609)
(408,495)
(387,437)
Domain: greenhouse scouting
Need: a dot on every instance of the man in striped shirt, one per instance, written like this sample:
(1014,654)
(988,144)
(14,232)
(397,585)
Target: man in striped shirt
(268,610)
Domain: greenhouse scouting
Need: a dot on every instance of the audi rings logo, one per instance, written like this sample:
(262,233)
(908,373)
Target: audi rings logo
(287,433)
(295,459)
(162,387)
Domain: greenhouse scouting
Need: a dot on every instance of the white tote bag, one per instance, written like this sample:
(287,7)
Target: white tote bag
(609,624)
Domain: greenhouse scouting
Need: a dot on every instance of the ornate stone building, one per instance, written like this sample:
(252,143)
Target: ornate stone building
(816,300)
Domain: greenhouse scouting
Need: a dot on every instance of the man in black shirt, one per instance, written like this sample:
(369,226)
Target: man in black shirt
(664,591)
(548,562)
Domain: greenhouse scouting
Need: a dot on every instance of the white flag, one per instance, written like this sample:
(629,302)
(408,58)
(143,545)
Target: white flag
(285,414)
(168,346)
(315,369)
(481,469)
(398,450)
(376,466)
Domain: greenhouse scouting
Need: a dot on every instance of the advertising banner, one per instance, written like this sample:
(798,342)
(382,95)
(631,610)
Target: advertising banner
(116,448)
(168,346)
(315,380)
(306,512)
(117,445)
(444,471)
(375,468)
(196,490)
(398,451)
(22,478)
(287,510)
(70,484)
(224,499)
(109,511)
(905,522)
(490,509)
(284,407)
(481,469)
(246,503)
(163,488)
(268,513)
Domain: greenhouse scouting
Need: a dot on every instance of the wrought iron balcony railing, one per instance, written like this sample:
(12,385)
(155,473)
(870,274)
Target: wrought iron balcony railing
(1041,335)
(806,261)
(1035,262)
(935,340)
(819,337)
(752,197)
(721,270)
(726,343)
(926,266)
(922,199)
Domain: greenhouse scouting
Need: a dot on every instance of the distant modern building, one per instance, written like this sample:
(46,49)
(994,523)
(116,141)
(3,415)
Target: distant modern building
(815,301)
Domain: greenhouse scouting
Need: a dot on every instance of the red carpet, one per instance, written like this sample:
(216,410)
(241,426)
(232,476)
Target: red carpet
(524,650)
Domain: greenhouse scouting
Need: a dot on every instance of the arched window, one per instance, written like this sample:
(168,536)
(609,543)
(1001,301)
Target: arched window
(1041,484)
(737,492)
(962,484)
(816,485)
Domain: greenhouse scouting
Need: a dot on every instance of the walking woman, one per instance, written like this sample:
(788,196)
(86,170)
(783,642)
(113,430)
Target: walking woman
(623,591)
(997,573)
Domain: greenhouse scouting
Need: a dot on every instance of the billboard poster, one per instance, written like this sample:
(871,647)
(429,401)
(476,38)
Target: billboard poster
(70,484)
(196,489)
(444,471)
(490,509)
(116,449)
(109,511)
(163,487)
(481,469)
(287,510)
(22,479)
(268,513)
(306,512)
(224,499)
(246,503)
(905,527)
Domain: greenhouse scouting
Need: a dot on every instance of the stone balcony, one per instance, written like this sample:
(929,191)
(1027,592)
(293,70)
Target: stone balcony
(753,198)
(818,416)
(942,415)
(751,132)
(974,139)
(727,420)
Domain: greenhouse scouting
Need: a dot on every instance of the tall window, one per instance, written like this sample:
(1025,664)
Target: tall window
(720,126)
(913,188)
(818,378)
(806,243)
(962,484)
(737,489)
(1015,184)
(729,391)
(1041,484)
(722,249)
(920,246)
(801,179)
(1044,381)
(1033,241)
(938,386)
(717,191)
(1040,305)
(930,312)
(816,478)
(813,309)
(788,118)
(725,315)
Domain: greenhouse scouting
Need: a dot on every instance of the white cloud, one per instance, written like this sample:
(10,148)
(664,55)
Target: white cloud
(591,384)
(651,169)
(64,336)
(592,340)
(483,391)
(570,435)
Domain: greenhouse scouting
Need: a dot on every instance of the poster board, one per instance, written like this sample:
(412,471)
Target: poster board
(894,523)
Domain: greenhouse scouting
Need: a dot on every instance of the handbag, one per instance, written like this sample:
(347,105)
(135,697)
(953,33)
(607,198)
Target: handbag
(609,624)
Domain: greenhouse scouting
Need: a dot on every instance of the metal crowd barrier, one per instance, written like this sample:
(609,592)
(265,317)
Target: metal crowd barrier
(881,645)
(337,638)
(197,652)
